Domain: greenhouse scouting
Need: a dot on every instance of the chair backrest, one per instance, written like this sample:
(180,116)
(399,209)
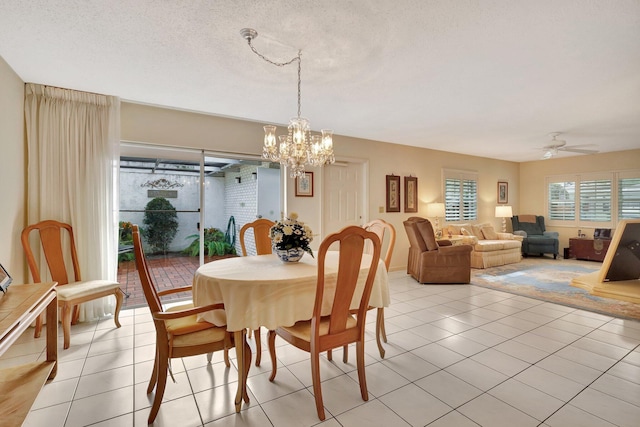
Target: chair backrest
(531,224)
(420,233)
(381,227)
(260,234)
(51,238)
(148,287)
(351,241)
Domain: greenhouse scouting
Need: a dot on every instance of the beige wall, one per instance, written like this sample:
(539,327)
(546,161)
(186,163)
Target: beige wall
(12,171)
(142,123)
(533,174)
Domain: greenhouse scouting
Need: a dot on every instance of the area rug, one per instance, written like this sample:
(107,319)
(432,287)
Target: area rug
(549,280)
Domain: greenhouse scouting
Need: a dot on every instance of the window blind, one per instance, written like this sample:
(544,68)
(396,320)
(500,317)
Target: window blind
(595,200)
(562,200)
(629,198)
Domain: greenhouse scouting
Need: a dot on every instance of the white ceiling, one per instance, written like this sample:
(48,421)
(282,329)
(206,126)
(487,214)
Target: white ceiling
(489,78)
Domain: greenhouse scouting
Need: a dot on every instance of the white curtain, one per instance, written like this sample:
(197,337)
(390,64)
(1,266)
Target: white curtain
(73,154)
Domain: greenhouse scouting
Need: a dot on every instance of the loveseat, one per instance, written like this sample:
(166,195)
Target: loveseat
(490,248)
(536,239)
(432,261)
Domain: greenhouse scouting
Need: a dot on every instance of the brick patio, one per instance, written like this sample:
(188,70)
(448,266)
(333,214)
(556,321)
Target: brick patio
(168,272)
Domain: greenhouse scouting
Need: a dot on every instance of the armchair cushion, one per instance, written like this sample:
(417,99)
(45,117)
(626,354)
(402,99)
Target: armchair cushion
(426,231)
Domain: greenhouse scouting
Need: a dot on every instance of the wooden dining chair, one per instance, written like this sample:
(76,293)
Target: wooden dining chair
(70,292)
(339,327)
(178,332)
(260,235)
(382,228)
(262,241)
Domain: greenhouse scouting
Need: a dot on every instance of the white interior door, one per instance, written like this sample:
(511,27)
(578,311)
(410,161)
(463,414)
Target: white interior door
(343,196)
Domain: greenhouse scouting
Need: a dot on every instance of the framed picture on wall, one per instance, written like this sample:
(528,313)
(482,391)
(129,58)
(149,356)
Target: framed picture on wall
(411,194)
(304,185)
(503,192)
(5,279)
(393,193)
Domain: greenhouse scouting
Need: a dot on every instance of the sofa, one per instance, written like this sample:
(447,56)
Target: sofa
(490,248)
(432,261)
(536,240)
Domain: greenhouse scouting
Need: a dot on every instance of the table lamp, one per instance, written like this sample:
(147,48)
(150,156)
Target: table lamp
(437,211)
(504,212)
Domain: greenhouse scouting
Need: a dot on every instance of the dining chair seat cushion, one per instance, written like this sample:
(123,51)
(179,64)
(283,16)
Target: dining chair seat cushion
(85,288)
(207,336)
(302,330)
(186,325)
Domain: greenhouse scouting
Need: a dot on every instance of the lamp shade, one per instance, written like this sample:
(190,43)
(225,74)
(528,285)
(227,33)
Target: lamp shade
(504,212)
(435,210)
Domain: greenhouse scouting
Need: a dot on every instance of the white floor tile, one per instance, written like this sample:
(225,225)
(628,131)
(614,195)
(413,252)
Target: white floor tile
(415,406)
(449,389)
(526,399)
(447,343)
(372,414)
(608,407)
(489,411)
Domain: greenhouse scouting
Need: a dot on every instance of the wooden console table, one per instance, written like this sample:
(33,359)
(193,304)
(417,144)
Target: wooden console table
(588,249)
(20,385)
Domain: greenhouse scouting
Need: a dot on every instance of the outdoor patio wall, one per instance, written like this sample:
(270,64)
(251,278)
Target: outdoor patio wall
(533,185)
(133,196)
(150,124)
(13,167)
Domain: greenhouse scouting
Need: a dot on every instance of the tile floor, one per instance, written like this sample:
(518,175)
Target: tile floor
(458,355)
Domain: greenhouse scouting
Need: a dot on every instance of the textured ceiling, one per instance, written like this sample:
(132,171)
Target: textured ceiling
(480,77)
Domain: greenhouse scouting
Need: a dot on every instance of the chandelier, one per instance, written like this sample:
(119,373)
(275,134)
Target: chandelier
(298,147)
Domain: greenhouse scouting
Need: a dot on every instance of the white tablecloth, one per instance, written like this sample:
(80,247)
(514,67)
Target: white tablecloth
(264,291)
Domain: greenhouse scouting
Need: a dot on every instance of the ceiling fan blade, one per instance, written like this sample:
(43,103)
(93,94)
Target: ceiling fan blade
(578,150)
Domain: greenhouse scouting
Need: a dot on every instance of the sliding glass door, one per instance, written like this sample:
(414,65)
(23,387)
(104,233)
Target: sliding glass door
(190,206)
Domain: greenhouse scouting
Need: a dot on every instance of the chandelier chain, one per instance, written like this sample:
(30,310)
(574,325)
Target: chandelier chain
(282,64)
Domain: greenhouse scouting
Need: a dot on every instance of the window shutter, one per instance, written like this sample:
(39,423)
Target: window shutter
(629,198)
(562,201)
(595,200)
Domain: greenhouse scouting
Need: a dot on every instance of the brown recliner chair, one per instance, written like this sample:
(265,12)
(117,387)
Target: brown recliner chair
(432,261)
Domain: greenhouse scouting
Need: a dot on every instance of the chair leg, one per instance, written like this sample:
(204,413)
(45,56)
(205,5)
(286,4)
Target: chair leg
(345,353)
(271,340)
(361,375)
(383,330)
(66,324)
(247,365)
(317,387)
(38,331)
(330,355)
(75,318)
(379,327)
(154,373)
(256,333)
(209,357)
(119,299)
(160,387)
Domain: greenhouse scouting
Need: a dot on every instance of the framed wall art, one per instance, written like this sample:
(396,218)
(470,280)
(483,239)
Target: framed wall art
(503,192)
(393,193)
(304,185)
(5,279)
(411,194)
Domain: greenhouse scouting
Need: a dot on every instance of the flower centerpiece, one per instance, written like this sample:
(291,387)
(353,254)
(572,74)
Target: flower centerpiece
(290,238)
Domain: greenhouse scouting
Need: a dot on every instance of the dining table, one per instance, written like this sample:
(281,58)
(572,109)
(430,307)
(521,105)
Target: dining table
(264,291)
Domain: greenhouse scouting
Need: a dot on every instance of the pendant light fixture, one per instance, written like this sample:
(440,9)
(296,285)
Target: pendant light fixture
(298,147)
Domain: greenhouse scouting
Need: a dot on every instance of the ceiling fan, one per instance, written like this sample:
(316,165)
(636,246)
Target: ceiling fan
(561,145)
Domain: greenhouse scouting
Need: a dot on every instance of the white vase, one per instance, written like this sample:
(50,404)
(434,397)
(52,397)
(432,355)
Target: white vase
(289,255)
